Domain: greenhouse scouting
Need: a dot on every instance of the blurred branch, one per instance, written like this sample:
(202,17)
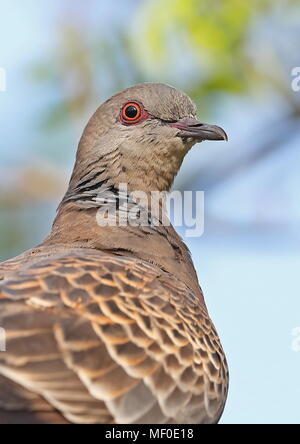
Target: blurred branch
(22,186)
(273,135)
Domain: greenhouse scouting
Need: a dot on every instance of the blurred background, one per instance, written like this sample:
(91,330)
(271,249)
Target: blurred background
(235,59)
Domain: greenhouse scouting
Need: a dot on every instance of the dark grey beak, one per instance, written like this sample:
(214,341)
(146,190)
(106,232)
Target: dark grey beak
(192,128)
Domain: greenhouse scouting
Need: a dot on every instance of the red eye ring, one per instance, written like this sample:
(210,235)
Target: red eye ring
(131,112)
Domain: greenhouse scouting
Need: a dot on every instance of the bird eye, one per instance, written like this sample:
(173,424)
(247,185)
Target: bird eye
(131,112)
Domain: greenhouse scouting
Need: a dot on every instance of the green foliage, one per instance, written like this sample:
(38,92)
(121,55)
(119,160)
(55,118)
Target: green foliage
(83,69)
(216,31)
(209,37)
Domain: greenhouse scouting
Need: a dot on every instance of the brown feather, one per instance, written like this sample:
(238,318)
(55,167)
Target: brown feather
(109,324)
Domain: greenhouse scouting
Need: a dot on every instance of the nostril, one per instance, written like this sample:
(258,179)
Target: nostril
(196,125)
(169,121)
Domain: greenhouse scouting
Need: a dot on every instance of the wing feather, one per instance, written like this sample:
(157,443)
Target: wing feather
(110,339)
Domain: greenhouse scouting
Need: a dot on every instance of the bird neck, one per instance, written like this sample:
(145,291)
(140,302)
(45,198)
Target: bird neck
(97,209)
(76,227)
(116,159)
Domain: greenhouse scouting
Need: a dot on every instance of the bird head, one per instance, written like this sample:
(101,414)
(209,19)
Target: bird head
(141,135)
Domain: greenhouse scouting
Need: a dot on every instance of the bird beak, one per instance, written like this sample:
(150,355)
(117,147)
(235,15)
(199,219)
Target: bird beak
(190,127)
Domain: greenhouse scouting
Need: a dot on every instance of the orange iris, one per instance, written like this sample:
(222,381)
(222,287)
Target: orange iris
(131,112)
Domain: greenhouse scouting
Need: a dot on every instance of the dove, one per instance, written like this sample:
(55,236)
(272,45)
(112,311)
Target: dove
(107,324)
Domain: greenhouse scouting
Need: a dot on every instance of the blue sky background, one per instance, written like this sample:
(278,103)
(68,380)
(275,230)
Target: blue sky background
(248,259)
